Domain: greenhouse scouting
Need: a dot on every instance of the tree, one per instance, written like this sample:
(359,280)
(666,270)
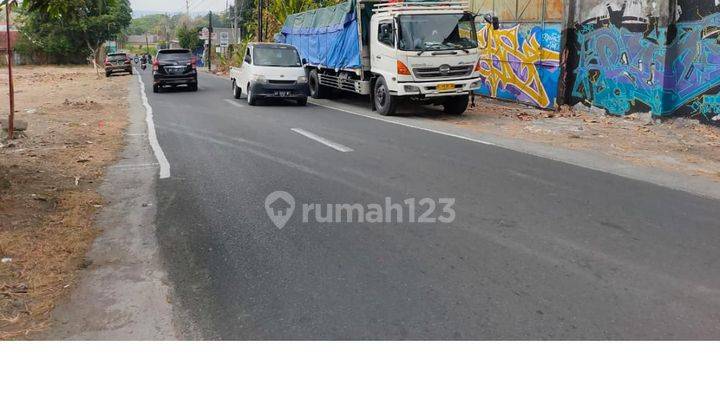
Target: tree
(73,26)
(188,37)
(277,11)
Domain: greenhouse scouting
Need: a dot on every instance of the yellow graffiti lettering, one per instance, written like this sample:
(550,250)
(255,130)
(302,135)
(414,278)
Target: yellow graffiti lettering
(502,49)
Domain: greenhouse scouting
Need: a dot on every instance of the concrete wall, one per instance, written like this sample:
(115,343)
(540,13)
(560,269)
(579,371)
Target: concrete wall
(645,56)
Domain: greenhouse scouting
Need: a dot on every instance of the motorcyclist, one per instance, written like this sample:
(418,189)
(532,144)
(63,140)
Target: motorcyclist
(143,62)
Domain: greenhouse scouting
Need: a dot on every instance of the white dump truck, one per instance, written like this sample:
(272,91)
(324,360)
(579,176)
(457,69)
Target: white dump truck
(423,51)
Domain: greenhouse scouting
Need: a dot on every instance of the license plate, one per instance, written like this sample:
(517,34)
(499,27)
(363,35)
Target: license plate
(445,87)
(282,93)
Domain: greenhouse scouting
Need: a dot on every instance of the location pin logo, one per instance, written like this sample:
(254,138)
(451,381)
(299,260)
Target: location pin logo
(280,206)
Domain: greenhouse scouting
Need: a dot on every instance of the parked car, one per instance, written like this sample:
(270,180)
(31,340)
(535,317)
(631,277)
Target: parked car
(174,67)
(270,71)
(117,63)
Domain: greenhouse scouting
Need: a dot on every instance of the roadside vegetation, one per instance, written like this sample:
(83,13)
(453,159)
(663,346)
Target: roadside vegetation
(71,31)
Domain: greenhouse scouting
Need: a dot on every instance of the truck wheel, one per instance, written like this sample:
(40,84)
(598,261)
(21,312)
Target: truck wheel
(457,105)
(251,98)
(317,91)
(385,103)
(237,92)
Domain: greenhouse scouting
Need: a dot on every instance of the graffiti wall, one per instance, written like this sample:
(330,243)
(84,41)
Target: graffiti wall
(520,63)
(645,56)
(521,60)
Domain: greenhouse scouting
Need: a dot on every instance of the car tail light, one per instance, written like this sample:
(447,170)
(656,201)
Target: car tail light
(402,69)
(156,65)
(107,61)
(193,62)
(127,61)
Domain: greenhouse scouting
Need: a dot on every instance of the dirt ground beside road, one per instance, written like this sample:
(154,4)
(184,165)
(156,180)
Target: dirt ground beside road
(680,145)
(48,182)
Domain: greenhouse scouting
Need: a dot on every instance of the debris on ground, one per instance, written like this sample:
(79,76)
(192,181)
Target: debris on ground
(678,144)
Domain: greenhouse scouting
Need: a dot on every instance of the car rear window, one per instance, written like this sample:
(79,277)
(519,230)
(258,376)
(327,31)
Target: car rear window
(117,55)
(174,55)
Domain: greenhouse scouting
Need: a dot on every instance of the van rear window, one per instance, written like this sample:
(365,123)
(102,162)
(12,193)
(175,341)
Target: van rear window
(175,55)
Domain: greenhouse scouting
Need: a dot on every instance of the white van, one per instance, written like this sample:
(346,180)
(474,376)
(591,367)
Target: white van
(270,71)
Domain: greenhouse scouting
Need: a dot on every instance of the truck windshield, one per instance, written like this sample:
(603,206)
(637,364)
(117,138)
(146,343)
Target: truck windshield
(437,32)
(276,57)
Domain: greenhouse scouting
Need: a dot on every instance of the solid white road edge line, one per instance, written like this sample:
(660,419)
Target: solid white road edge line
(430,130)
(326,142)
(152,134)
(235,103)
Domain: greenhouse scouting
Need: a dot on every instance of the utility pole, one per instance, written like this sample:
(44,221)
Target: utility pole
(260,20)
(235,22)
(210,28)
(11,90)
(240,18)
(187,8)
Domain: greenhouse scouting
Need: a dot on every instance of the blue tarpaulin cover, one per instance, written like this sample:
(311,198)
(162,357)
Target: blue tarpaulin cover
(325,37)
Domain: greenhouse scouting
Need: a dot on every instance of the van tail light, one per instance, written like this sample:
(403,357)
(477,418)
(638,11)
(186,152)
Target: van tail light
(402,69)
(156,65)
(193,62)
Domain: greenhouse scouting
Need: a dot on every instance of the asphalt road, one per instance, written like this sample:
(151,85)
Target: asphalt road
(538,250)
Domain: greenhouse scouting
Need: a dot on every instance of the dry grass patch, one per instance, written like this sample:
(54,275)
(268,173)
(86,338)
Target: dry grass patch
(48,186)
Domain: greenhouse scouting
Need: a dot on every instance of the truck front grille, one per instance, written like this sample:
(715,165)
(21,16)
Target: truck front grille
(443,72)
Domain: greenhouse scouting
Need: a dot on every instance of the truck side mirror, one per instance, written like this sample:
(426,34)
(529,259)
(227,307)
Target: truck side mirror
(493,20)
(304,61)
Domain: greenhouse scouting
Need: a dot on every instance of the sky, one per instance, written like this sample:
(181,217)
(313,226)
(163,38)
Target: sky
(196,6)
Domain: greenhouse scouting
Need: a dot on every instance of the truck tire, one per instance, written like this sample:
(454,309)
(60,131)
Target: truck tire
(456,105)
(252,101)
(317,91)
(385,104)
(237,92)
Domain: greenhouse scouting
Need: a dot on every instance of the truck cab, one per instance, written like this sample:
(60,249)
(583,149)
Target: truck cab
(425,52)
(395,51)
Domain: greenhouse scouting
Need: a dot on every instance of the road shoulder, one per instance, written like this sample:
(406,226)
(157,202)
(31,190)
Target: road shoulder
(124,294)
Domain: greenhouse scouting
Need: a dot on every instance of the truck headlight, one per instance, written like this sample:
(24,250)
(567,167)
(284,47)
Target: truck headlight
(302,79)
(257,78)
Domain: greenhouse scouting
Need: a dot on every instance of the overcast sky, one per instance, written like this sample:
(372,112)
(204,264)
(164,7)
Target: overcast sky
(196,6)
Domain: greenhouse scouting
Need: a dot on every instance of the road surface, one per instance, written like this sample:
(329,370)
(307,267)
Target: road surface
(539,249)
